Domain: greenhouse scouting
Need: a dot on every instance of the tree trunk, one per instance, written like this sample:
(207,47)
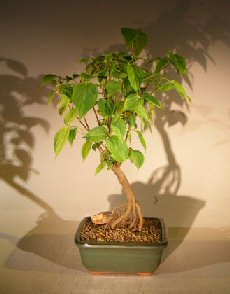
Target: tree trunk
(132,214)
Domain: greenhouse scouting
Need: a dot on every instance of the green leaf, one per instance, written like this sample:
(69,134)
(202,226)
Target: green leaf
(135,39)
(137,158)
(106,107)
(152,100)
(49,79)
(118,74)
(72,135)
(142,139)
(118,107)
(100,167)
(132,101)
(113,87)
(161,63)
(98,134)
(86,149)
(84,97)
(119,127)
(60,139)
(179,62)
(167,86)
(118,148)
(85,77)
(172,84)
(70,116)
(129,138)
(140,73)
(67,90)
(132,77)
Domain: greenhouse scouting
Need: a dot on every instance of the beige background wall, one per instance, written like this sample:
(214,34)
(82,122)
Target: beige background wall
(42,199)
(41,37)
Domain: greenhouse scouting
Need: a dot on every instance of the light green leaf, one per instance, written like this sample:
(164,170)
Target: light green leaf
(132,101)
(142,112)
(145,124)
(70,116)
(119,127)
(113,87)
(180,89)
(137,158)
(135,39)
(100,167)
(142,139)
(84,97)
(86,149)
(152,100)
(167,86)
(132,77)
(51,97)
(132,120)
(60,139)
(63,104)
(98,134)
(72,135)
(118,148)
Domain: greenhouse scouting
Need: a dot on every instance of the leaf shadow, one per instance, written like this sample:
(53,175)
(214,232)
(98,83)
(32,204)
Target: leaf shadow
(17,141)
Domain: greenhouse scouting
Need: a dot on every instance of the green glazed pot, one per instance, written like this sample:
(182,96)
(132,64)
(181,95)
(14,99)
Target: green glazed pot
(102,258)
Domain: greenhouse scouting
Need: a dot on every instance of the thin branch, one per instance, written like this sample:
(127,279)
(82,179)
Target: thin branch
(88,128)
(109,125)
(128,131)
(85,127)
(97,118)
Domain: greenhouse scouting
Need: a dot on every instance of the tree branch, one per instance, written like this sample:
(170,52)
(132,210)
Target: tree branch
(87,126)
(97,118)
(128,131)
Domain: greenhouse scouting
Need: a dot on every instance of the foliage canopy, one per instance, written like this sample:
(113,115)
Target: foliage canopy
(123,89)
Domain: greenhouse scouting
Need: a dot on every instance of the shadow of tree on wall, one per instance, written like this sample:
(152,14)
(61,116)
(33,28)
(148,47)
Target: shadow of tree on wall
(52,237)
(17,91)
(17,142)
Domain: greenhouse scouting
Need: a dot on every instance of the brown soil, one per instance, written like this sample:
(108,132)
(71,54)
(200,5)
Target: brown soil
(150,233)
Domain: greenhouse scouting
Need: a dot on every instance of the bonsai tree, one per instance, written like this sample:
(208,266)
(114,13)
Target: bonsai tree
(122,89)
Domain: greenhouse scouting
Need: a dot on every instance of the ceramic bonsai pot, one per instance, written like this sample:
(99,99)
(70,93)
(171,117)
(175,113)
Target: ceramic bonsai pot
(121,258)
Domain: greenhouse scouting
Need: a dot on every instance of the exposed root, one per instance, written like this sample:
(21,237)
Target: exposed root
(140,217)
(131,216)
(124,217)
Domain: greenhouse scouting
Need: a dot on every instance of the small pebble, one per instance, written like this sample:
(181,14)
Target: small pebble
(150,234)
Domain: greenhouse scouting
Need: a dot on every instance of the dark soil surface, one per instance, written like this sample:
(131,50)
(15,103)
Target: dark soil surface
(150,233)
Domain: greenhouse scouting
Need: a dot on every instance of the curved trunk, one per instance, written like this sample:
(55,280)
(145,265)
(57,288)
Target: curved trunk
(132,213)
